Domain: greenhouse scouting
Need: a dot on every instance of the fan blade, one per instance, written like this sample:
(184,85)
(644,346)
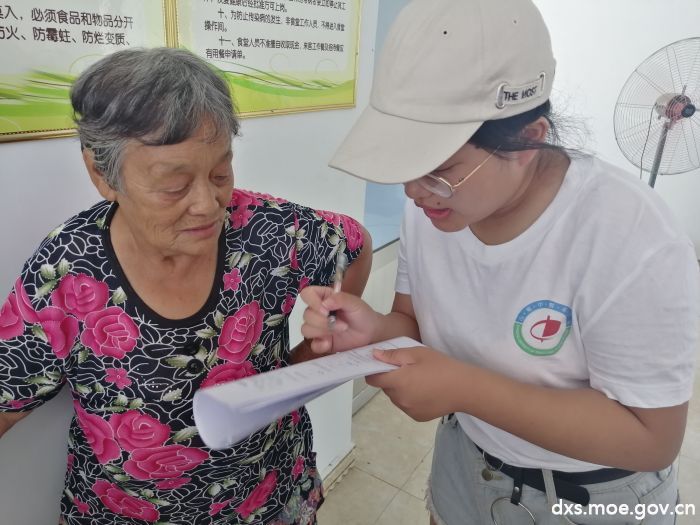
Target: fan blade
(654,103)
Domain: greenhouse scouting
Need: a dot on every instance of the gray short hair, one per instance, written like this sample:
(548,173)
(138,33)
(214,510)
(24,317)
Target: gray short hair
(155,96)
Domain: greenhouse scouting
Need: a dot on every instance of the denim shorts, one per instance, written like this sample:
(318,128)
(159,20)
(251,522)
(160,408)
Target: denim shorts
(461,493)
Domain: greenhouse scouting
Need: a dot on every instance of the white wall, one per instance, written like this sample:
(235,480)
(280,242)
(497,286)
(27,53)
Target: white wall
(384,203)
(379,294)
(44,182)
(598,44)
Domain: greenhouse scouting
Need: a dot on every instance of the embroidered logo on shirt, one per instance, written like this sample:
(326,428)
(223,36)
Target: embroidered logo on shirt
(542,327)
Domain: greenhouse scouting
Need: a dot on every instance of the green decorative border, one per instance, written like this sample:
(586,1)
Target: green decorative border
(39,100)
(523,344)
(36,104)
(260,92)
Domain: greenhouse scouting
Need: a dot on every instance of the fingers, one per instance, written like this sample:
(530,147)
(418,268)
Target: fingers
(398,356)
(317,325)
(383,380)
(312,333)
(320,303)
(324,300)
(386,356)
(395,356)
(314,296)
(374,380)
(322,345)
(314,319)
(342,301)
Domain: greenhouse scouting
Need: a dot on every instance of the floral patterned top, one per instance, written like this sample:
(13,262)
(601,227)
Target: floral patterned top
(134,453)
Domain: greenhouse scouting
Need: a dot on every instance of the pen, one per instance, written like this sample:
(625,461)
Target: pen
(341,263)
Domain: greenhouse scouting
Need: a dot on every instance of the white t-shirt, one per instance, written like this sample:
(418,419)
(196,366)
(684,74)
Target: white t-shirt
(601,291)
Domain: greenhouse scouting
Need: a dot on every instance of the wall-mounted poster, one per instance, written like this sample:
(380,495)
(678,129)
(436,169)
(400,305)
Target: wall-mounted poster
(45,44)
(279,56)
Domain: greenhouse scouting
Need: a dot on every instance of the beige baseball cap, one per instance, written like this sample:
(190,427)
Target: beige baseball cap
(445,68)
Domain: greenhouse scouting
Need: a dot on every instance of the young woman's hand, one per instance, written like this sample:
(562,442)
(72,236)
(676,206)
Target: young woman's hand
(355,325)
(427,384)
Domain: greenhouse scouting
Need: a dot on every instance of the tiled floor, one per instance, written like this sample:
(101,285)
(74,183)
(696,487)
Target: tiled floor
(385,485)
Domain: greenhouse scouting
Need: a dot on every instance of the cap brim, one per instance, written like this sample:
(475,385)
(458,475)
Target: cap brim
(389,150)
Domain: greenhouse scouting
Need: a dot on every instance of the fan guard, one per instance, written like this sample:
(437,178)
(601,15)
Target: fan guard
(657,114)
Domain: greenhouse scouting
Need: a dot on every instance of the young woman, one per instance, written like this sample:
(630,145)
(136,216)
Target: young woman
(555,295)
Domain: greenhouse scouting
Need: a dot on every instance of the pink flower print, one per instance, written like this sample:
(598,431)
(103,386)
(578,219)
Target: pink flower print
(163,462)
(303,283)
(216,508)
(11,323)
(295,417)
(69,461)
(172,484)
(99,435)
(353,233)
(20,403)
(240,332)
(118,377)
(79,295)
(330,217)
(134,430)
(270,198)
(288,304)
(83,508)
(315,496)
(228,372)
(293,261)
(240,217)
(258,496)
(110,332)
(298,467)
(61,330)
(24,304)
(232,280)
(124,504)
(245,198)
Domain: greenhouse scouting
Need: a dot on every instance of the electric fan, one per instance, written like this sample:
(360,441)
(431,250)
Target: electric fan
(657,118)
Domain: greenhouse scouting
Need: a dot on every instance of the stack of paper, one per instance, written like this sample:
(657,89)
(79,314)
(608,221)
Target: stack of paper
(227,413)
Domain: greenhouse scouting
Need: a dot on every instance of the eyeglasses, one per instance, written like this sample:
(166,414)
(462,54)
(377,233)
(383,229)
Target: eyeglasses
(441,187)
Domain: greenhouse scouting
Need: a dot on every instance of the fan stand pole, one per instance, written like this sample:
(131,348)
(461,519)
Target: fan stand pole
(659,152)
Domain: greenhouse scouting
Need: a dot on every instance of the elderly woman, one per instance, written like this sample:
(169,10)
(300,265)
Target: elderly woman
(172,283)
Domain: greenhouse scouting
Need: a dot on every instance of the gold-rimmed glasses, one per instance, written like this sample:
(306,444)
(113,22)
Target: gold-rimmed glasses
(442,187)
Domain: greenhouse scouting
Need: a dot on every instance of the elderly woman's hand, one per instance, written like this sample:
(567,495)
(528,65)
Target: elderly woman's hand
(356,322)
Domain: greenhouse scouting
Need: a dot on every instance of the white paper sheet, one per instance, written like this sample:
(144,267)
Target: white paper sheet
(227,413)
